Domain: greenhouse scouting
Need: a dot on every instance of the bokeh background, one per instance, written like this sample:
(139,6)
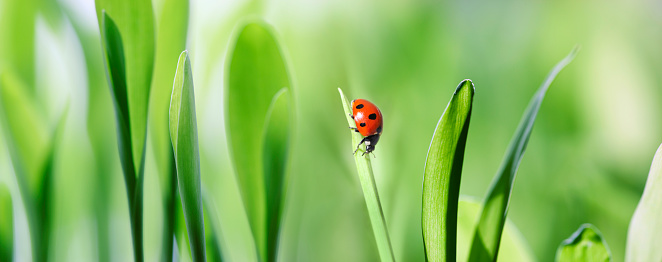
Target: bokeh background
(587,159)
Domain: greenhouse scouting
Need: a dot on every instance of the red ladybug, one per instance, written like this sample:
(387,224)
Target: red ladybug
(369,122)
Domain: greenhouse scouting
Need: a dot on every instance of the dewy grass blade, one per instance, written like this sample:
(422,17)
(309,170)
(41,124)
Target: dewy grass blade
(586,244)
(644,242)
(487,238)
(443,171)
(184,135)
(6,225)
(247,100)
(369,187)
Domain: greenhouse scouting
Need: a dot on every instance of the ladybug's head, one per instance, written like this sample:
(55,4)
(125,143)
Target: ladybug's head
(370,143)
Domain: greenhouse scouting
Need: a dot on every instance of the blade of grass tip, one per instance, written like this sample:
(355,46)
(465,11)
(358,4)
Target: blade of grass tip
(247,100)
(644,242)
(369,187)
(443,171)
(184,135)
(586,244)
(6,225)
(487,238)
(276,147)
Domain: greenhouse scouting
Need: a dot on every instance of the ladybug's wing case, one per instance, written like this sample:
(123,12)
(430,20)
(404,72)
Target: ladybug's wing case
(367,116)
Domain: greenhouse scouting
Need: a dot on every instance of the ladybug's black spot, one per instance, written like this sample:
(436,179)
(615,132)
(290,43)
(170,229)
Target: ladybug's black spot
(372,116)
(379,130)
(359,106)
(362,124)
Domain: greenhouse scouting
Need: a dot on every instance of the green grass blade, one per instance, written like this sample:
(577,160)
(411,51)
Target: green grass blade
(6,225)
(171,31)
(644,242)
(18,24)
(115,61)
(585,245)
(184,135)
(276,147)
(443,171)
(369,187)
(256,72)
(486,241)
(134,20)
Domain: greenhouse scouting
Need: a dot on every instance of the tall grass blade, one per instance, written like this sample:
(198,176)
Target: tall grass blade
(6,225)
(487,238)
(171,30)
(443,171)
(115,61)
(369,187)
(256,73)
(644,242)
(134,21)
(276,147)
(585,245)
(213,232)
(184,136)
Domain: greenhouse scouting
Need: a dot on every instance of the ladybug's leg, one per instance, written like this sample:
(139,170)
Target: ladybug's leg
(354,128)
(357,146)
(352,116)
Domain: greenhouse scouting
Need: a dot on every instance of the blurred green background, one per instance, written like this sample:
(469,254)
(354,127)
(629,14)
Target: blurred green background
(587,159)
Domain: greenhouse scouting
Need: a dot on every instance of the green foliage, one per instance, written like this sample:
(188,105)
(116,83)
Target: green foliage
(364,169)
(6,225)
(129,92)
(256,73)
(184,135)
(643,241)
(585,245)
(443,171)
(171,32)
(32,149)
(17,40)
(487,238)
(134,21)
(213,233)
(513,245)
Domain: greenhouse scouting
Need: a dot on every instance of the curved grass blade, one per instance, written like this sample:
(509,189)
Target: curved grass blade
(256,72)
(443,171)
(276,147)
(369,187)
(6,225)
(184,135)
(486,241)
(644,242)
(171,31)
(134,20)
(585,245)
(133,179)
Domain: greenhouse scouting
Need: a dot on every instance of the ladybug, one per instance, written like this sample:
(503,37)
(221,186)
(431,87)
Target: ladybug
(368,121)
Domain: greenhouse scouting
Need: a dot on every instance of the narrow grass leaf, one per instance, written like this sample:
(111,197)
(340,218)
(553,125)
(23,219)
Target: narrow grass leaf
(443,171)
(513,244)
(585,245)
(276,148)
(487,238)
(6,225)
(256,72)
(184,135)
(132,165)
(369,188)
(171,30)
(134,21)
(644,242)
